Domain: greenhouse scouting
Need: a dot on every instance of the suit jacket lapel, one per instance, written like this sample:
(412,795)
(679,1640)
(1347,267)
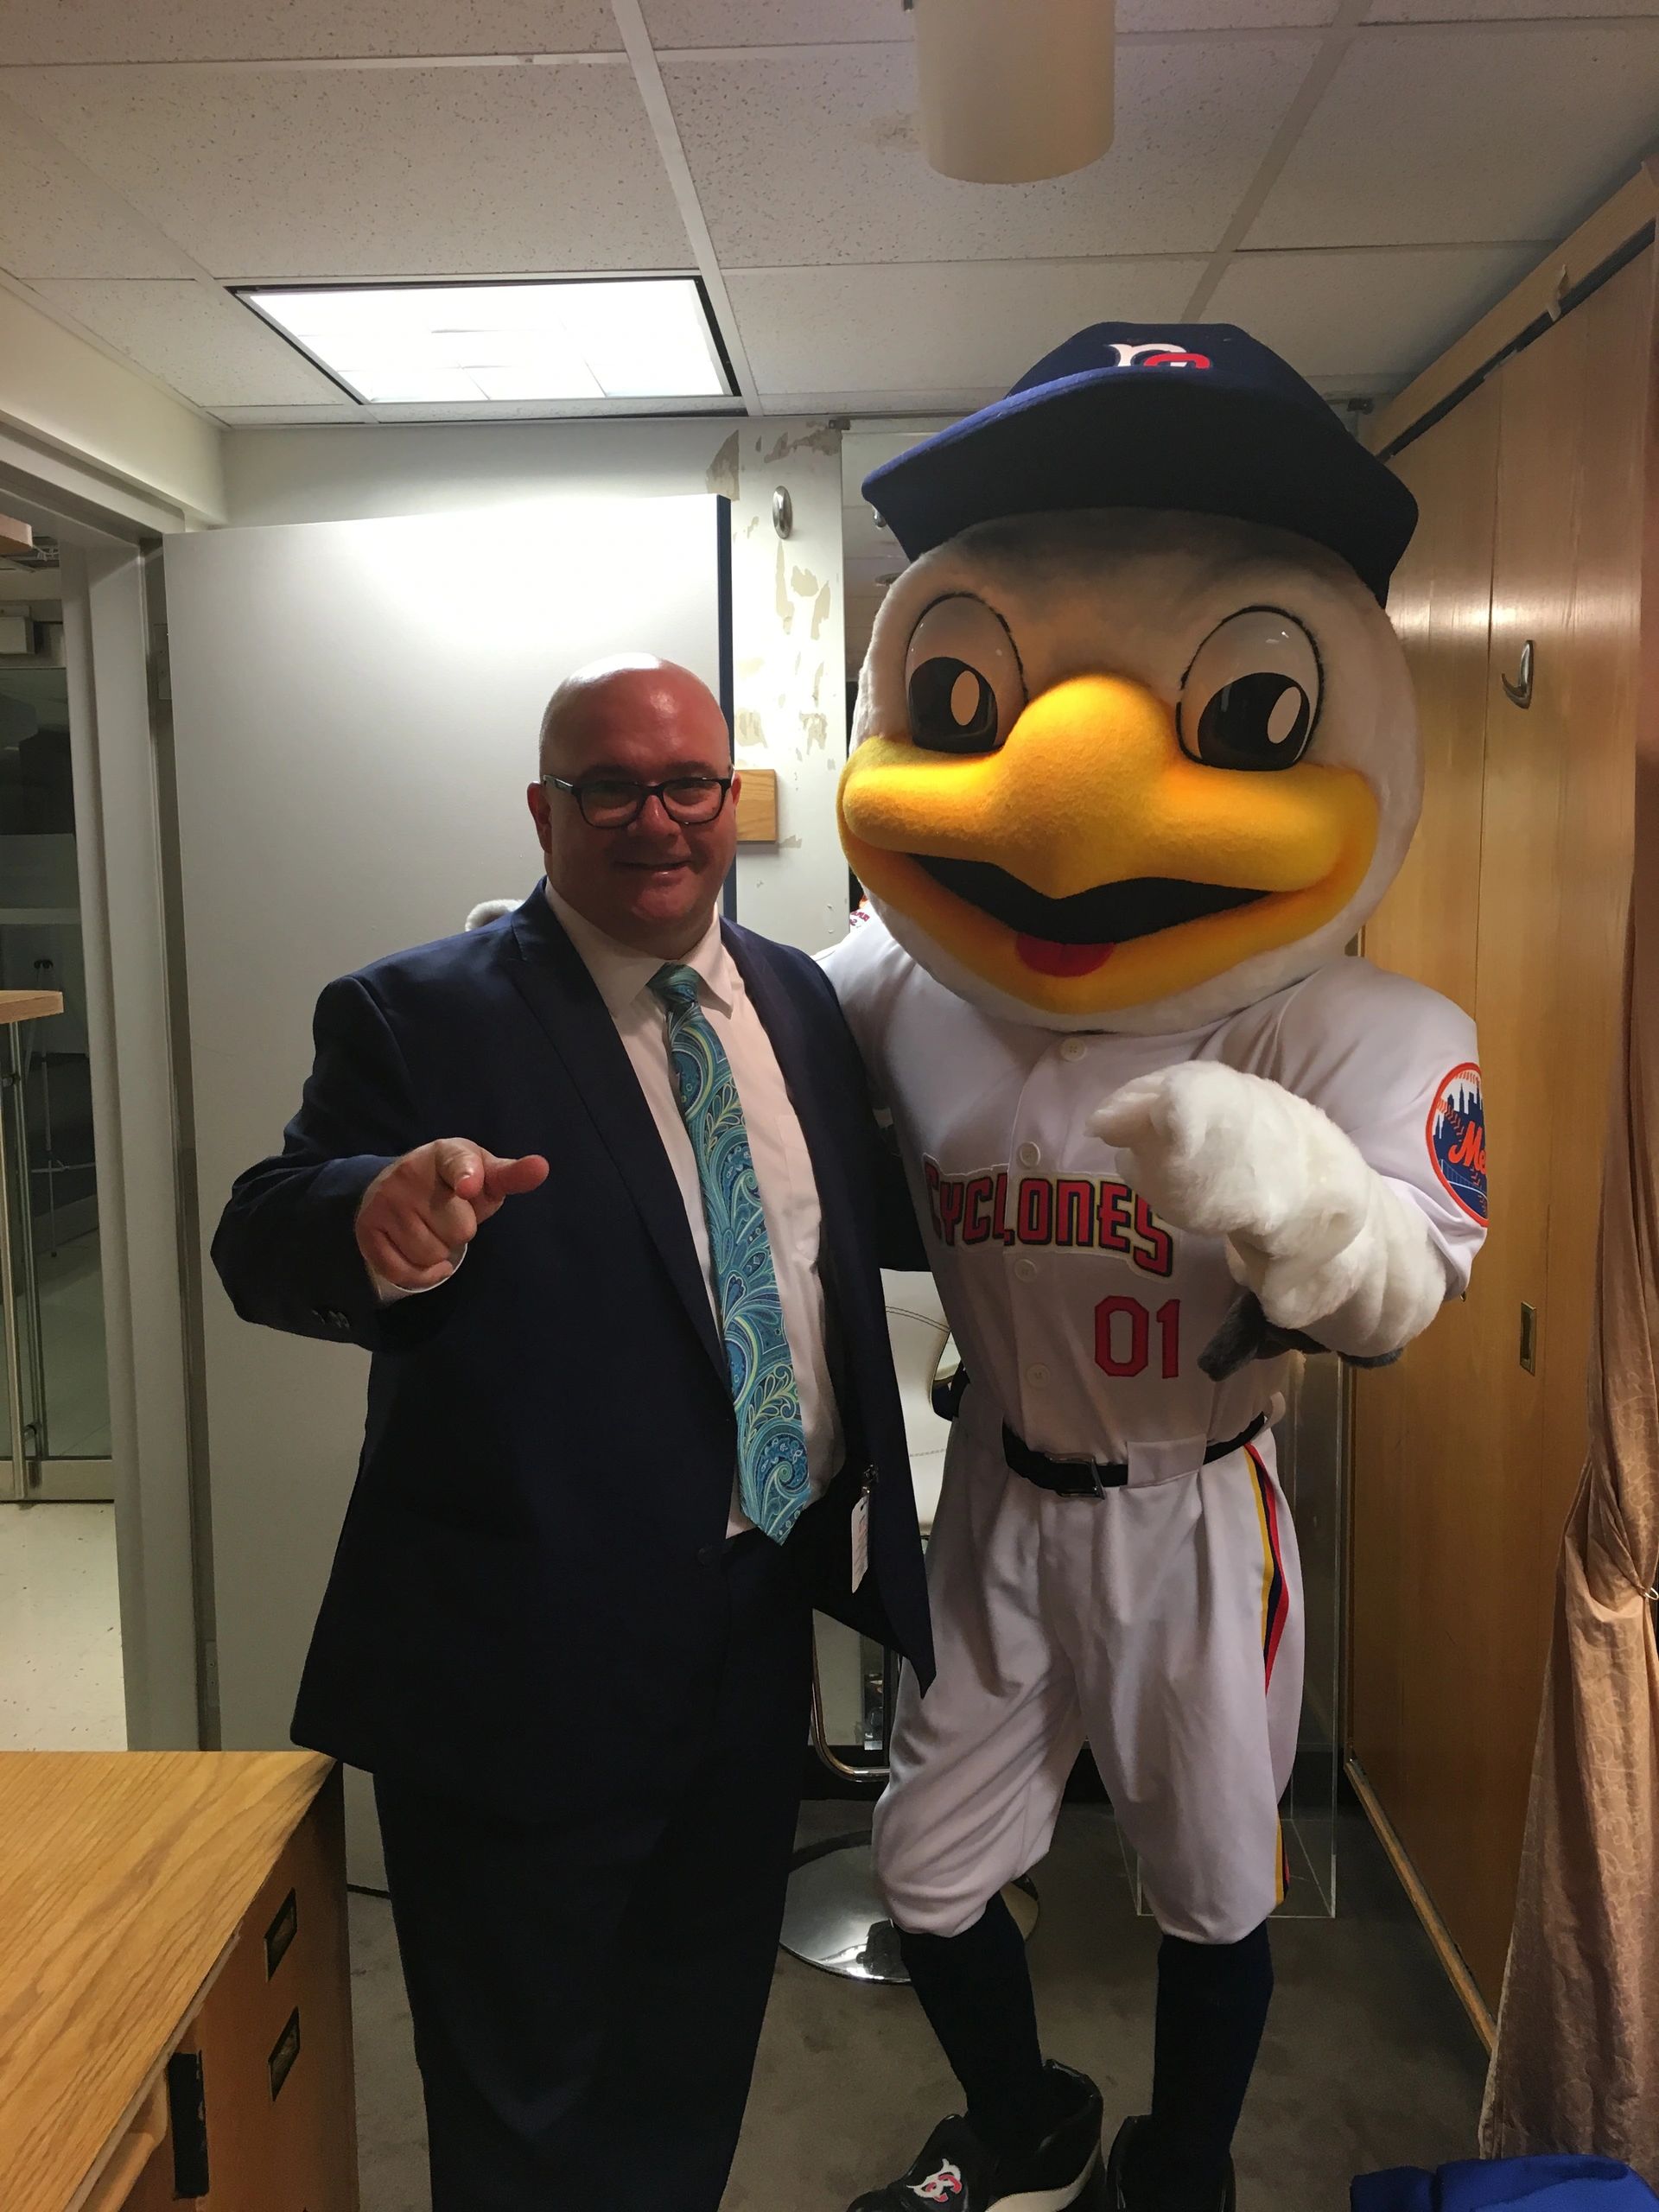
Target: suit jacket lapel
(561,994)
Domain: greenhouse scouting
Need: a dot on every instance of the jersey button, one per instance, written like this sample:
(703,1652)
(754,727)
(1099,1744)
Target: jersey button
(1025,1270)
(1073,1049)
(1037,1375)
(1030,1154)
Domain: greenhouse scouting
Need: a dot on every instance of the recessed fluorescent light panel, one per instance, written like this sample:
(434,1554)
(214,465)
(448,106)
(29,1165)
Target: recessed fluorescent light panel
(628,338)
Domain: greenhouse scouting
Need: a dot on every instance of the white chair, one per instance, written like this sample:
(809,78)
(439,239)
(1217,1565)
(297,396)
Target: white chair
(834,1917)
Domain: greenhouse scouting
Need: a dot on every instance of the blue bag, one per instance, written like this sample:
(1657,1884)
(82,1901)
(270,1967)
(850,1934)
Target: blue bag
(1548,2184)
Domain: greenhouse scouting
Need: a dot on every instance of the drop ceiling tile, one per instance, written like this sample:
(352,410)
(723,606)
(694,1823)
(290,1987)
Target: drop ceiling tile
(1358,320)
(1500,11)
(57,221)
(812,157)
(196,338)
(1158,15)
(274,174)
(1458,135)
(937,334)
(210,30)
(773,22)
(300,417)
(686,23)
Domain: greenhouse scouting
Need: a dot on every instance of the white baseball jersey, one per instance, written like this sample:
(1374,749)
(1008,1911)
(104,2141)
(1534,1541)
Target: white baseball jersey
(1078,1310)
(1162,1622)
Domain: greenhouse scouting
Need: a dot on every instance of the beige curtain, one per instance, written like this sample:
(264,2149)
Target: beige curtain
(1576,2063)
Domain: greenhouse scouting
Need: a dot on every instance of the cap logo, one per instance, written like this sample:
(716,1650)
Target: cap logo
(1161,354)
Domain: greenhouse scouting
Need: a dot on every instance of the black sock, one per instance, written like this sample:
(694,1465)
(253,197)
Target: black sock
(975,1991)
(1212,2005)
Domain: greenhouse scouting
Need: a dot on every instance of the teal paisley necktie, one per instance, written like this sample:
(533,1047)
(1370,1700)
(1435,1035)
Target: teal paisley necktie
(770,1446)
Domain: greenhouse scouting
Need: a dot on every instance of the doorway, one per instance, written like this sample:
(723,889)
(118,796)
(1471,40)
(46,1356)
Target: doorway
(61,1662)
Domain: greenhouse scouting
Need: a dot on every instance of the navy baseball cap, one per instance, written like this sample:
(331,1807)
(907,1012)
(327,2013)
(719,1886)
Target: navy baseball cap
(1192,415)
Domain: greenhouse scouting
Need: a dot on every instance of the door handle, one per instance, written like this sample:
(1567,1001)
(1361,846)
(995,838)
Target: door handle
(1519,693)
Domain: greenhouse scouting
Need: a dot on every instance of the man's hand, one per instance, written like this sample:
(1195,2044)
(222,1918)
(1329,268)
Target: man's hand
(419,1214)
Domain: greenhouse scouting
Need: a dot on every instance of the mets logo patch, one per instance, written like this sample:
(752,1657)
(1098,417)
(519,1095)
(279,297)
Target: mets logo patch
(1457,1139)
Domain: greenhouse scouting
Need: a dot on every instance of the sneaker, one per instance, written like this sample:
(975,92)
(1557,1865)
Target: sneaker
(959,2173)
(1116,2201)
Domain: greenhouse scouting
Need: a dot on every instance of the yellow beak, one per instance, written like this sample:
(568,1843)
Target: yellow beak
(1153,871)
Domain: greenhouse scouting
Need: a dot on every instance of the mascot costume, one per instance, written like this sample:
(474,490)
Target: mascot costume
(1134,756)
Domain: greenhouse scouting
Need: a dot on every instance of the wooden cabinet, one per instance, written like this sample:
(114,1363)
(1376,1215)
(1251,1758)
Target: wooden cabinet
(175,1989)
(1464,1459)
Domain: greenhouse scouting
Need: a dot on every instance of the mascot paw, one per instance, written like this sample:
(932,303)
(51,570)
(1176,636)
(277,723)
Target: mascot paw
(1218,1152)
(1318,1237)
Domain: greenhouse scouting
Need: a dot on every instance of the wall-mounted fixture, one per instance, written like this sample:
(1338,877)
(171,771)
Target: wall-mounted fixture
(1519,693)
(757,807)
(782,511)
(1012,91)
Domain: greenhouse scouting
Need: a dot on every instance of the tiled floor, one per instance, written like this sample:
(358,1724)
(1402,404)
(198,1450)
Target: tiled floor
(1369,2061)
(60,1685)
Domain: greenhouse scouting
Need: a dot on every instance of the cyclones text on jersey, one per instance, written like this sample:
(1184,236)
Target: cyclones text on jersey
(1086,1213)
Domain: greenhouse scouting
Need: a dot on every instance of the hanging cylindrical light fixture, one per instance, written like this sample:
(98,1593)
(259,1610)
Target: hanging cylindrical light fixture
(1012,91)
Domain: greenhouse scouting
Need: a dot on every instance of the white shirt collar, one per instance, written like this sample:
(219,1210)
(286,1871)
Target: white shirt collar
(622,974)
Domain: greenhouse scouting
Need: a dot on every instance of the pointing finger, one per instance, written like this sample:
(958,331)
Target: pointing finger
(505,1179)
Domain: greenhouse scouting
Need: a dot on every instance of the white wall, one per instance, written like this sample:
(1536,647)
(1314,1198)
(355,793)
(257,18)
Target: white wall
(91,427)
(787,597)
(318,688)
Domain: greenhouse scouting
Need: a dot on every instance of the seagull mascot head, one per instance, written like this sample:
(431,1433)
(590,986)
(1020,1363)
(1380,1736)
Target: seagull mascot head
(1135,744)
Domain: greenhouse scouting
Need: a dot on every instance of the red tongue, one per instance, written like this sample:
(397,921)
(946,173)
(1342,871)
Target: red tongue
(1051,959)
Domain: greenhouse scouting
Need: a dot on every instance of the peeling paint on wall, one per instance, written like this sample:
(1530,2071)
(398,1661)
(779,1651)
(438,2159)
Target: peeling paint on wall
(722,474)
(822,440)
(785,604)
(788,650)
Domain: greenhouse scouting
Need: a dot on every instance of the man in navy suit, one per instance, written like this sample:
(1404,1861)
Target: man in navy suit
(597,1186)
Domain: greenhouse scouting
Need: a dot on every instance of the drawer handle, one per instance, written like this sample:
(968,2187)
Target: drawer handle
(281,1933)
(1519,694)
(286,2049)
(138,2146)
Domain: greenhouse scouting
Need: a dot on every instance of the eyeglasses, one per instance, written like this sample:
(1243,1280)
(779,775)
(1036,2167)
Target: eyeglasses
(612,803)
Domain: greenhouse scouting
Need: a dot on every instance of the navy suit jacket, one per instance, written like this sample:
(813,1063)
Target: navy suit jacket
(530,1564)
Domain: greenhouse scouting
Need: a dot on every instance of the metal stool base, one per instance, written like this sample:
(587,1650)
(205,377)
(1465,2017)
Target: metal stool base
(834,1919)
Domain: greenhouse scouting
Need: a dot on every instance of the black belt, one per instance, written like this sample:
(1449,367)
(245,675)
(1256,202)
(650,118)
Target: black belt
(1094,1478)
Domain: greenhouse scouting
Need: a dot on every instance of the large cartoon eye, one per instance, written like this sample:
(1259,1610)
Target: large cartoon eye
(1251,697)
(963,681)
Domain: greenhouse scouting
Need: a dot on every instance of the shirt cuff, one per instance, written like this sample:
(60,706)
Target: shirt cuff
(389,1293)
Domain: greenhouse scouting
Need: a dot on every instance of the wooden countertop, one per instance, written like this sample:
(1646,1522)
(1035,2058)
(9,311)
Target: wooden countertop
(123,1876)
(30,1006)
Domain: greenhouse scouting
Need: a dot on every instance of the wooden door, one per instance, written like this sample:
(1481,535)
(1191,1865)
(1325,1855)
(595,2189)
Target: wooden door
(1512,903)
(1422,1477)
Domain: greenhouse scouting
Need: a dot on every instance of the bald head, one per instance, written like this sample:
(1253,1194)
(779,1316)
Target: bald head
(632,692)
(636,723)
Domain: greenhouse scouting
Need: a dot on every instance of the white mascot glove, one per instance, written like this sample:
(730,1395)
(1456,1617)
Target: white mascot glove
(1323,1240)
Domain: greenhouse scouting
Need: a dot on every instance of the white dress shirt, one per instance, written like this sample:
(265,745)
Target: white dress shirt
(782,1166)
